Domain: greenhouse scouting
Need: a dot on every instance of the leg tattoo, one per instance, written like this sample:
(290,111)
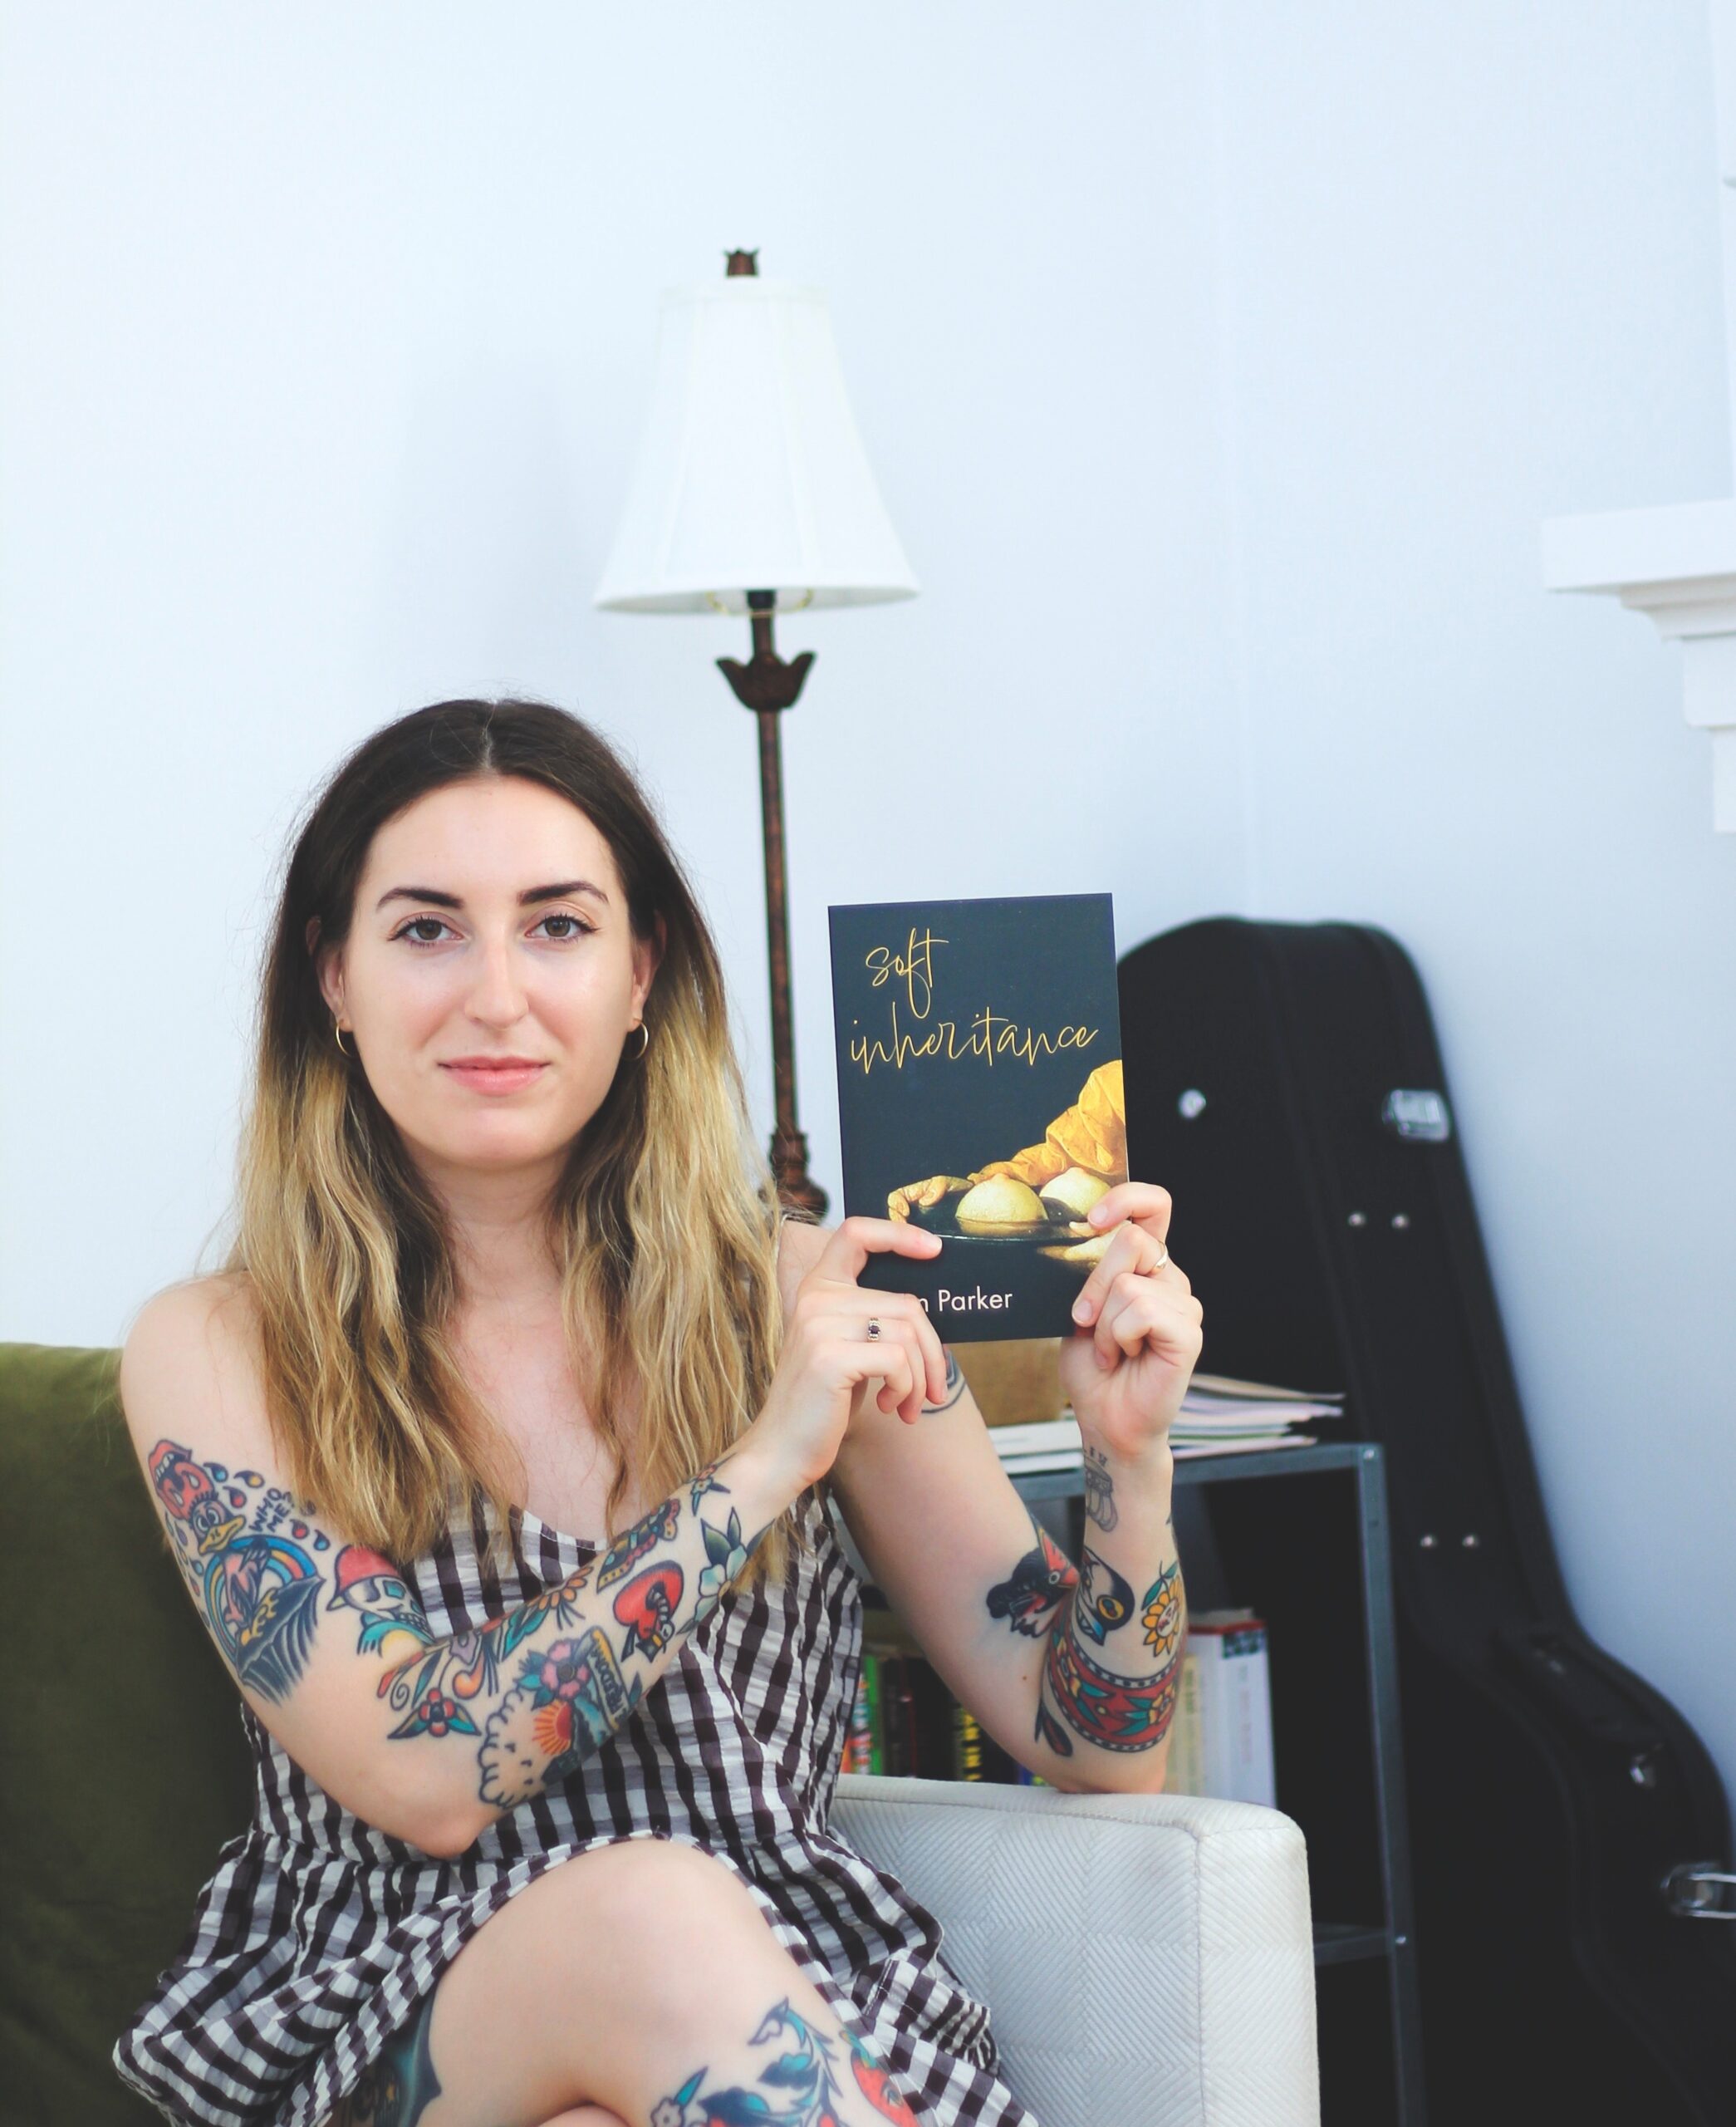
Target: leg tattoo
(803,2083)
(401,2083)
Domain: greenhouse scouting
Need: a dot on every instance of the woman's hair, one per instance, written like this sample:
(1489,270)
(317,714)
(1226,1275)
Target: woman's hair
(662,1225)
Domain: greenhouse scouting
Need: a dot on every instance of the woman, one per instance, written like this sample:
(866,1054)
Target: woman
(501,1463)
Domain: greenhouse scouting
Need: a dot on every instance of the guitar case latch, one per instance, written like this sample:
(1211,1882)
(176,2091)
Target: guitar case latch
(1701,1890)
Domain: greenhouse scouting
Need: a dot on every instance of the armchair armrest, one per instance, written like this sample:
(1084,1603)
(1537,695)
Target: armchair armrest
(1147,1960)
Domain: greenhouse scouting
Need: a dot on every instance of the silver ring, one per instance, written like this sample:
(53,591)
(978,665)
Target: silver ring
(874,1325)
(1163,1255)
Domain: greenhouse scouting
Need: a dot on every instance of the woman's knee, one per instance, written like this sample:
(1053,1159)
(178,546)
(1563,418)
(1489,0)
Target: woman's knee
(648,1888)
(582,1971)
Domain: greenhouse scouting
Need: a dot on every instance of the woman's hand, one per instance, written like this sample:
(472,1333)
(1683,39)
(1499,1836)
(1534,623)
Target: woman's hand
(828,1355)
(924,1195)
(1127,1364)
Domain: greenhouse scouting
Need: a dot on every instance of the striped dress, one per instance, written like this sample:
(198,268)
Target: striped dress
(318,1935)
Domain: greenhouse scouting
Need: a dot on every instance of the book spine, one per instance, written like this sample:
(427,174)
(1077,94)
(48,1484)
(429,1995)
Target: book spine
(1184,1769)
(933,1709)
(1217,1776)
(966,1744)
(859,1736)
(898,1703)
(876,1717)
(1248,1718)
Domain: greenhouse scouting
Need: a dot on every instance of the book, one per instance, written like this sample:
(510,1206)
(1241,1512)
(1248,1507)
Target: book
(1195,1451)
(1059,1459)
(977,1756)
(1185,1768)
(1211,1422)
(905,1720)
(914,1718)
(1047,1433)
(1223,1385)
(1220,1734)
(859,1745)
(979,1055)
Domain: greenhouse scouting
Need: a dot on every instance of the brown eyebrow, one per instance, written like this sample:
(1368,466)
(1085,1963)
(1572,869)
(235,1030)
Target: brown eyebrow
(528,899)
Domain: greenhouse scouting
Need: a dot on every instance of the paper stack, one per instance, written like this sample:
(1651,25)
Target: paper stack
(1218,1416)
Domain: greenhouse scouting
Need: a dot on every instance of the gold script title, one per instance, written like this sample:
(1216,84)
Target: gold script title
(985,1036)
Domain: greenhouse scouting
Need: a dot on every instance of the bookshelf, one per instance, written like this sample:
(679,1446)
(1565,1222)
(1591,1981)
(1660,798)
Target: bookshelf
(1301,1534)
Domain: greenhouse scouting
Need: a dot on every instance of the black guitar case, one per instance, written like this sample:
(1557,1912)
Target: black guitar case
(1284,1083)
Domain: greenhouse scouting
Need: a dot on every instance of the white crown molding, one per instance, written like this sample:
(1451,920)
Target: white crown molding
(1678,566)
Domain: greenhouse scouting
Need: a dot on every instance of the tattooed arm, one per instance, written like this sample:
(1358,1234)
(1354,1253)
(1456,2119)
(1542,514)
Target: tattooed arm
(1115,1647)
(1073,1670)
(427,1738)
(1074,1674)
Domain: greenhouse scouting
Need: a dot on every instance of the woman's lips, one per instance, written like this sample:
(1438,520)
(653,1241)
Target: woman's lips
(494,1078)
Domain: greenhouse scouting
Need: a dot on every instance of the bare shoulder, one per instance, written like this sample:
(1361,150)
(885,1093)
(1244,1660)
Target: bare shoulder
(190,1364)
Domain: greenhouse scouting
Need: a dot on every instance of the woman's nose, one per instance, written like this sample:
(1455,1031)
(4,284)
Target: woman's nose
(498,997)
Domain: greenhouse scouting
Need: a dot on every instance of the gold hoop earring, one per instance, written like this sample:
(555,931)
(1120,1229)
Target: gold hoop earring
(337,1035)
(644,1040)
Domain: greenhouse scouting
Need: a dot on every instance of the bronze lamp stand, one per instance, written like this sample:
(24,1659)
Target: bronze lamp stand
(768,686)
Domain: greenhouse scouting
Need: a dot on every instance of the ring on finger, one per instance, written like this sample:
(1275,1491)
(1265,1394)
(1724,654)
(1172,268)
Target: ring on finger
(874,1326)
(1163,1255)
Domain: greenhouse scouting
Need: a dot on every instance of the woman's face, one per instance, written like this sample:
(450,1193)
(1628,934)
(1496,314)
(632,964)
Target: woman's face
(491,976)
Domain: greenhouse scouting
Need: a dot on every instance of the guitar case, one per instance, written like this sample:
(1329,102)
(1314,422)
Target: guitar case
(1284,1083)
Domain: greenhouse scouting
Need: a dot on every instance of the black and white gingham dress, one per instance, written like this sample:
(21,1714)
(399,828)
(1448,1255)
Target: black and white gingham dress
(318,1936)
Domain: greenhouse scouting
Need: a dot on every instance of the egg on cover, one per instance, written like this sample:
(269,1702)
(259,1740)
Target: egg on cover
(1000,1206)
(1071,1194)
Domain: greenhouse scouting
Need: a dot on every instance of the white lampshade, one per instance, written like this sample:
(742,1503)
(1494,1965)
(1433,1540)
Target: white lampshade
(751,475)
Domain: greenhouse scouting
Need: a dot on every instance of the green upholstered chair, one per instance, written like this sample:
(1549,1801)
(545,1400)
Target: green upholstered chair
(123,1768)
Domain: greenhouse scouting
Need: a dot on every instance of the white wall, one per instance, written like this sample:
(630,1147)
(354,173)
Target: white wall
(1471,280)
(1219,364)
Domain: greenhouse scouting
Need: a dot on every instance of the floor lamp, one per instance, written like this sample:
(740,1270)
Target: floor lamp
(753,495)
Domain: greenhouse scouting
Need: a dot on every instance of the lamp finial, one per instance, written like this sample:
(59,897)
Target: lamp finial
(741,264)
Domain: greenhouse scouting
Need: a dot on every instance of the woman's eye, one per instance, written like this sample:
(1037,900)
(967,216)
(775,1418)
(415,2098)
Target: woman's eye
(426,930)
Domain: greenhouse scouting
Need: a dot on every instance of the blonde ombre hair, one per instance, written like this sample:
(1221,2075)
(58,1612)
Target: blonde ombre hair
(664,1223)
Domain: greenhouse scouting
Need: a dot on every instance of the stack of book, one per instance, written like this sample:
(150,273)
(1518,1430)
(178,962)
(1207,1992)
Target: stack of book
(904,1719)
(1218,1416)
(1220,1738)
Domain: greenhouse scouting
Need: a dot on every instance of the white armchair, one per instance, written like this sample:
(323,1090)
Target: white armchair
(1147,1959)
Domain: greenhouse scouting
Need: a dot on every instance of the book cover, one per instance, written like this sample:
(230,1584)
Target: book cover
(979,1095)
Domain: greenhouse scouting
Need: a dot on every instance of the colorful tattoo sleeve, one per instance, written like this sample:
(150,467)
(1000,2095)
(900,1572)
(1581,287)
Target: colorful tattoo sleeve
(534,1691)
(254,1560)
(1030,1598)
(1113,1712)
(541,1689)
